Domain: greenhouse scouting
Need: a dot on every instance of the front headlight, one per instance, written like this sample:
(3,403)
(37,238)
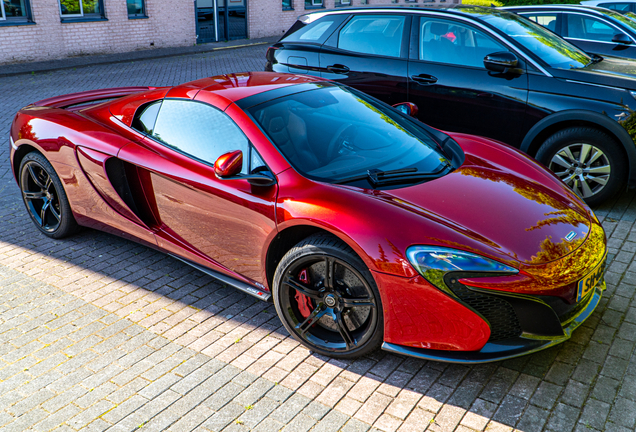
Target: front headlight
(435,262)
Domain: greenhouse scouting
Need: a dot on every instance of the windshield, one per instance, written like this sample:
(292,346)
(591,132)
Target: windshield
(333,133)
(550,48)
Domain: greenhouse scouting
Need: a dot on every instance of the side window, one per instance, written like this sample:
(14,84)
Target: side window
(546,20)
(588,28)
(145,117)
(317,31)
(373,34)
(454,43)
(620,7)
(198,130)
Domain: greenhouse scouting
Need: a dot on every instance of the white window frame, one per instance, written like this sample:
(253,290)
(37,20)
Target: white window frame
(2,17)
(316,2)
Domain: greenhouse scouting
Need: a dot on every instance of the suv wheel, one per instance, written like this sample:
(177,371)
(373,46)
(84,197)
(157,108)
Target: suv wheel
(589,161)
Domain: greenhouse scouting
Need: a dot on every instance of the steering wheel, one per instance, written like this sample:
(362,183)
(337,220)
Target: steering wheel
(339,139)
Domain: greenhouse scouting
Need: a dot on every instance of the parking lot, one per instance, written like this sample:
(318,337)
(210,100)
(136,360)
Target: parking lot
(101,333)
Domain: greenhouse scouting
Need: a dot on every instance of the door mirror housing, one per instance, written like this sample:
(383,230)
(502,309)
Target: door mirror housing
(622,38)
(229,166)
(408,108)
(502,62)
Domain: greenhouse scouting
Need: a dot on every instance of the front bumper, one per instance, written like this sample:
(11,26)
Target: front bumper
(506,349)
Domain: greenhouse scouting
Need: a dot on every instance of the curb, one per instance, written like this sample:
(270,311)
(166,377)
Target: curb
(79,62)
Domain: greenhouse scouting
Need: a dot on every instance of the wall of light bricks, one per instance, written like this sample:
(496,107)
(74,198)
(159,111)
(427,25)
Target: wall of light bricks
(171,23)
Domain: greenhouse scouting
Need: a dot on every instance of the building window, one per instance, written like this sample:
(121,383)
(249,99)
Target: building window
(313,4)
(15,12)
(343,3)
(81,10)
(288,5)
(136,9)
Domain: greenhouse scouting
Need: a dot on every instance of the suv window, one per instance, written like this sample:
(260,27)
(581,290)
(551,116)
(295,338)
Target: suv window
(198,130)
(444,41)
(317,31)
(373,34)
(616,6)
(589,28)
(548,21)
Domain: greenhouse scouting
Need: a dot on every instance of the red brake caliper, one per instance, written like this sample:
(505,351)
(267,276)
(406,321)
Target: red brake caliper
(304,302)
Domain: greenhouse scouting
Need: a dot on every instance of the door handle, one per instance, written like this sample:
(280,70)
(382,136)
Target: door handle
(338,68)
(424,79)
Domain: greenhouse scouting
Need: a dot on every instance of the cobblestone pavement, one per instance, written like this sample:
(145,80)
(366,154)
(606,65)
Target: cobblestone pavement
(100,333)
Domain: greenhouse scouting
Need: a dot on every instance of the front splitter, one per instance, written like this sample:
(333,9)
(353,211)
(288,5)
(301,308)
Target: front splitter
(502,350)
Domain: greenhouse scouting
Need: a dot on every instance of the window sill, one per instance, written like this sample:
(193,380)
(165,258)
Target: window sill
(288,8)
(314,7)
(81,20)
(343,5)
(134,17)
(15,23)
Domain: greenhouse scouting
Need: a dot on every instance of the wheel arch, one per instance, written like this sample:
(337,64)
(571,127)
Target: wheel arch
(20,153)
(572,118)
(288,237)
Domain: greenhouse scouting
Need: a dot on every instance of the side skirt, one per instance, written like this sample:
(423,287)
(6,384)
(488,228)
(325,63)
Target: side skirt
(241,286)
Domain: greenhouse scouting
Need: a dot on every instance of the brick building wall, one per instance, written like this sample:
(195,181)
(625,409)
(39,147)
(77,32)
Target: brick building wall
(266,17)
(170,23)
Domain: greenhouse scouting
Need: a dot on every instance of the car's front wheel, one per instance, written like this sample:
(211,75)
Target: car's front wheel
(588,160)
(44,197)
(327,298)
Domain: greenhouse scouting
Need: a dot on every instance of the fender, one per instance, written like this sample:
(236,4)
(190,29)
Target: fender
(602,120)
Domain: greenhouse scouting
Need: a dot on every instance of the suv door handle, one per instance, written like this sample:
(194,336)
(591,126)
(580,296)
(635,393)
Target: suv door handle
(424,79)
(338,68)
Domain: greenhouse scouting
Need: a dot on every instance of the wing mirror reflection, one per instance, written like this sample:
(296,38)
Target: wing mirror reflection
(622,38)
(408,108)
(229,166)
(502,62)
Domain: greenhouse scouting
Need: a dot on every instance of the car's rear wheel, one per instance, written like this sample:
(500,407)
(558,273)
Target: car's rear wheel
(588,160)
(327,298)
(44,197)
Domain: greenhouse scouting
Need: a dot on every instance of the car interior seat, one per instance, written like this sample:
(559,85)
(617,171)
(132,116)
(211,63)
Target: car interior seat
(289,133)
(437,49)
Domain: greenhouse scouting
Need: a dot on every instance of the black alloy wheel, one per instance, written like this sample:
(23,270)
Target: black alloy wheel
(327,299)
(44,197)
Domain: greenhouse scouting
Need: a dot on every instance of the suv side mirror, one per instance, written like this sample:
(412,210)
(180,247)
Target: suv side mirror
(408,108)
(622,38)
(229,166)
(501,62)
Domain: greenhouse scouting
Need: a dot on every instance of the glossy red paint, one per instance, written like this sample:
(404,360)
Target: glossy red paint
(228,226)
(229,164)
(416,314)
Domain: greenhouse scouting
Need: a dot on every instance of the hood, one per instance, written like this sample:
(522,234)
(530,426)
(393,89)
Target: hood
(502,200)
(611,71)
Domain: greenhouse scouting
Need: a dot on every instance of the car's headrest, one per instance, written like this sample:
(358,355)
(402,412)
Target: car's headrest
(438,28)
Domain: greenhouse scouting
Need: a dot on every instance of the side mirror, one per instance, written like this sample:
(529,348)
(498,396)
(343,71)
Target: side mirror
(408,108)
(229,165)
(622,38)
(501,61)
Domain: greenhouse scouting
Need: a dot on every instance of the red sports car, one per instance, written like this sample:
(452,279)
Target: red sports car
(365,227)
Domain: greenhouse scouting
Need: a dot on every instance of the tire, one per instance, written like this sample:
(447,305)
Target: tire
(588,160)
(44,197)
(338,316)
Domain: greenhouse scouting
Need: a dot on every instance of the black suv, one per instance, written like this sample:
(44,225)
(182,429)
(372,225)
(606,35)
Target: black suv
(482,71)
